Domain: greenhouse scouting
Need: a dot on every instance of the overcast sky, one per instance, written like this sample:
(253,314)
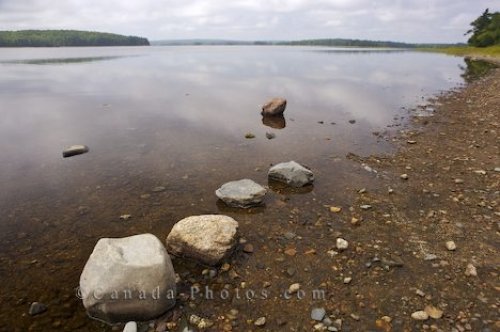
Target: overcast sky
(398,20)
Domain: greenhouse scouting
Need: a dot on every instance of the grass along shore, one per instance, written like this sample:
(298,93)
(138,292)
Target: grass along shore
(491,53)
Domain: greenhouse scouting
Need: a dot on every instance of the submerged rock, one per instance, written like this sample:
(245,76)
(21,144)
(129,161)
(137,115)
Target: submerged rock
(128,279)
(291,173)
(75,150)
(206,238)
(37,308)
(275,106)
(243,193)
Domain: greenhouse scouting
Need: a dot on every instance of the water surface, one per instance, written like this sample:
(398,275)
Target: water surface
(176,117)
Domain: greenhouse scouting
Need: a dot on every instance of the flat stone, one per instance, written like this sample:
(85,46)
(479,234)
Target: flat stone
(75,150)
(318,314)
(37,308)
(404,176)
(242,193)
(128,279)
(430,257)
(274,107)
(420,315)
(291,173)
(433,312)
(206,238)
(294,288)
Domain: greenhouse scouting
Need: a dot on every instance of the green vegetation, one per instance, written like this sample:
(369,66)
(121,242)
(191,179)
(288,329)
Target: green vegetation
(491,51)
(58,38)
(485,30)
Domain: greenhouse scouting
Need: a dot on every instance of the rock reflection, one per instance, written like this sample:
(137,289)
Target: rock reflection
(282,188)
(276,122)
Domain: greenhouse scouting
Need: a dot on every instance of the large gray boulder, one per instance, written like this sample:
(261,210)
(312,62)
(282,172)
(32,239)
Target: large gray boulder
(207,238)
(274,107)
(243,193)
(128,279)
(291,173)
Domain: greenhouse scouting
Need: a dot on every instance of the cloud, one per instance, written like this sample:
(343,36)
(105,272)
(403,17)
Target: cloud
(409,20)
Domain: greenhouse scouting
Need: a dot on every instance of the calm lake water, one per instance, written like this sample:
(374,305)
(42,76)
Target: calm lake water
(177,117)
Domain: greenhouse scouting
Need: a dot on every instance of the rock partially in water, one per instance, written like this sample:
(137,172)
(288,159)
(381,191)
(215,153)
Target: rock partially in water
(128,279)
(291,173)
(276,122)
(75,150)
(37,308)
(130,327)
(270,135)
(242,193)
(206,238)
(275,106)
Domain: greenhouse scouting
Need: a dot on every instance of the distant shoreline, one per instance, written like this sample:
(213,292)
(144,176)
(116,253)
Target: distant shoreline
(67,38)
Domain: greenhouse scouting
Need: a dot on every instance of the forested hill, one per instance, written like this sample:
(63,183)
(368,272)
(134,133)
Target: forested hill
(59,38)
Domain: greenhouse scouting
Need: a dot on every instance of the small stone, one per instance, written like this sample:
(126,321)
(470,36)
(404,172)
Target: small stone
(404,176)
(261,321)
(450,245)
(458,181)
(365,207)
(347,280)
(37,308)
(125,216)
(352,121)
(497,169)
(294,288)
(420,315)
(270,135)
(471,270)
(248,248)
(291,173)
(411,142)
(75,150)
(355,316)
(430,257)
(249,135)
(130,327)
(274,107)
(318,314)
(291,271)
(158,189)
(291,252)
(319,327)
(341,244)
(420,293)
(433,312)
(335,209)
(242,193)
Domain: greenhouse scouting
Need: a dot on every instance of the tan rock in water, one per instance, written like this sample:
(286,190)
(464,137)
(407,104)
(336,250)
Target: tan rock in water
(275,106)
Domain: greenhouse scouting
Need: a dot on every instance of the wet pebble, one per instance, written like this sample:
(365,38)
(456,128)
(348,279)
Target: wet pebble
(347,280)
(318,314)
(249,135)
(270,135)
(404,176)
(365,207)
(433,312)
(75,150)
(37,308)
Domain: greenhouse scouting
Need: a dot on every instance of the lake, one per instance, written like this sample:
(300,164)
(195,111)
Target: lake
(177,117)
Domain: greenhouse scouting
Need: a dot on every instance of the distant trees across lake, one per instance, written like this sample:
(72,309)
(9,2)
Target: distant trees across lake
(60,38)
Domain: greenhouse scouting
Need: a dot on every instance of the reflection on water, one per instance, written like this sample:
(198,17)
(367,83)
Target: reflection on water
(276,122)
(475,69)
(51,61)
(176,117)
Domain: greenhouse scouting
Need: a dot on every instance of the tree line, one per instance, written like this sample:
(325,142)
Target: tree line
(59,38)
(485,30)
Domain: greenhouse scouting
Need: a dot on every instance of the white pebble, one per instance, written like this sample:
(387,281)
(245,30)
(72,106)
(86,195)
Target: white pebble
(420,315)
(341,244)
(450,245)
